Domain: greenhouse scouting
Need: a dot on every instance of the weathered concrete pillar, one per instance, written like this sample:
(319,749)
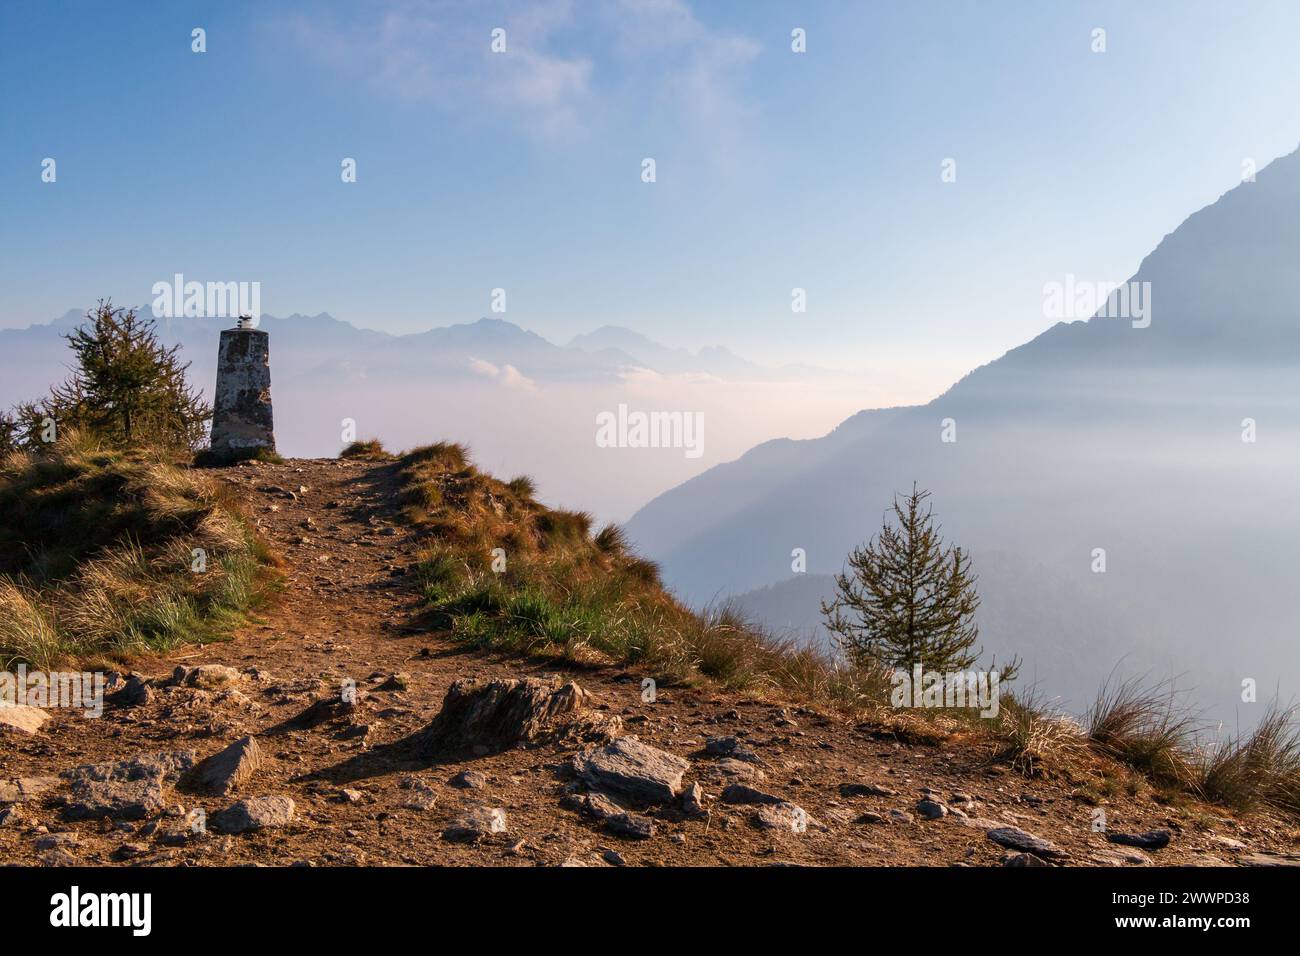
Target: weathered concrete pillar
(242,423)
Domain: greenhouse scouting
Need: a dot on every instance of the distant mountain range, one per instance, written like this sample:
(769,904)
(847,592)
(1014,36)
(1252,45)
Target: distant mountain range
(521,402)
(321,346)
(1173,448)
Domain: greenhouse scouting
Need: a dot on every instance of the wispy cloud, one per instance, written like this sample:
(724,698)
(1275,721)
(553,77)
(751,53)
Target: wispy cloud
(700,73)
(650,53)
(438,51)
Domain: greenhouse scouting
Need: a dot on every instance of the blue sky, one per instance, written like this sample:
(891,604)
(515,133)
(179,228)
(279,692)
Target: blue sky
(522,170)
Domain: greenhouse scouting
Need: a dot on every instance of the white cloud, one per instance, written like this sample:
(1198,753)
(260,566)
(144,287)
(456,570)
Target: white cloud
(506,375)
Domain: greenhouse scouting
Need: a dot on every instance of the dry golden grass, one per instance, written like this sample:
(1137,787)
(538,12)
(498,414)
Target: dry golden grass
(26,632)
(584,597)
(109,553)
(1261,768)
(369,449)
(1147,729)
(1038,738)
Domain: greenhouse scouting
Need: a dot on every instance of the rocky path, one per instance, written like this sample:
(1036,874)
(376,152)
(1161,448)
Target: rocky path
(250,751)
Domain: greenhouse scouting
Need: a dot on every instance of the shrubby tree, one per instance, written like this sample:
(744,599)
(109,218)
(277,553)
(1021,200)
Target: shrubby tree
(126,387)
(906,599)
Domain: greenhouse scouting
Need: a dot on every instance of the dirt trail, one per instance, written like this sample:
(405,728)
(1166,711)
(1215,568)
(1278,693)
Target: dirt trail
(347,612)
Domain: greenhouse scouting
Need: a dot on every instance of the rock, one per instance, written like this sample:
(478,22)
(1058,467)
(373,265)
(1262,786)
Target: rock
(420,796)
(730,770)
(870,817)
(129,851)
(1229,843)
(931,809)
(358,731)
(1267,859)
(730,747)
(1024,859)
(126,790)
(135,693)
(399,681)
(782,816)
(978,823)
(901,816)
(630,825)
(960,796)
(693,801)
(490,716)
(10,816)
(469,780)
(476,824)
(865,790)
(742,793)
(613,857)
(59,857)
(56,841)
(1014,838)
(21,718)
(253,813)
(351,795)
(1151,840)
(25,788)
(595,804)
(1130,857)
(205,676)
(634,769)
(229,769)
(324,709)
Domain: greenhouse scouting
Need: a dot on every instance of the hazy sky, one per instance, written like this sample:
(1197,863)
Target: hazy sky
(522,170)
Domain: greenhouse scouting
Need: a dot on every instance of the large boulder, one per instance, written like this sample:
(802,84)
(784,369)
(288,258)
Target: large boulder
(490,716)
(633,768)
(126,789)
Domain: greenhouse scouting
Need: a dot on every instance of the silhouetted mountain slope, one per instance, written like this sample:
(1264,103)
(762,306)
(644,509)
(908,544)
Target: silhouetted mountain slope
(1096,434)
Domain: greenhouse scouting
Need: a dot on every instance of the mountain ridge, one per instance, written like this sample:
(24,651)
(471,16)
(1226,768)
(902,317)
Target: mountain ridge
(1072,441)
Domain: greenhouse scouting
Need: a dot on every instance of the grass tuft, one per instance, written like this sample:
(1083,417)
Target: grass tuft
(1261,768)
(370,449)
(1038,738)
(1146,729)
(522,486)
